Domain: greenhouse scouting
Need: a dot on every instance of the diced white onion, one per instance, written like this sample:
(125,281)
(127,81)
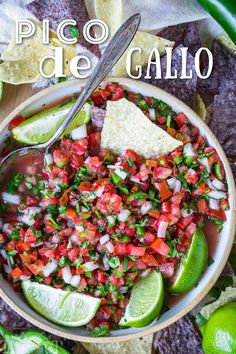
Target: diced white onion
(106,263)
(25,277)
(91,265)
(214,204)
(6,228)
(99,191)
(204,161)
(32,211)
(161,232)
(79,228)
(186,212)
(104,239)
(124,215)
(218,184)
(49,268)
(7,268)
(120,173)
(171,182)
(188,150)
(28,219)
(177,187)
(211,185)
(66,274)
(111,219)
(75,280)
(109,246)
(134,179)
(3,253)
(79,133)
(31,179)
(124,289)
(192,172)
(152,114)
(146,207)
(11,199)
(217,195)
(97,293)
(48,159)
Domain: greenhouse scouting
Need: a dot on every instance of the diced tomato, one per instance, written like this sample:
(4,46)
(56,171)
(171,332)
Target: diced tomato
(105,94)
(135,251)
(184,222)
(15,122)
(61,157)
(97,98)
(64,199)
(80,146)
(149,237)
(164,190)
(117,315)
(94,143)
(161,172)
(36,268)
(113,279)
(219,214)
(190,229)
(181,119)
(16,273)
(154,214)
(202,206)
(160,247)
(120,249)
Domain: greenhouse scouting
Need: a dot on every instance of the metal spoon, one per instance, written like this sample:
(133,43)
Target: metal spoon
(111,55)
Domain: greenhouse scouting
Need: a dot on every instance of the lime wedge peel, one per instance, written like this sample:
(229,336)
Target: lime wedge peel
(40,127)
(70,309)
(1,89)
(193,266)
(146,301)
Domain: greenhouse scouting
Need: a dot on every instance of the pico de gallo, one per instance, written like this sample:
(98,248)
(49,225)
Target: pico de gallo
(94,222)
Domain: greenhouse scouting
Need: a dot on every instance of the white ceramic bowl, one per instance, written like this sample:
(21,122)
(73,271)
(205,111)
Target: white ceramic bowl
(184,304)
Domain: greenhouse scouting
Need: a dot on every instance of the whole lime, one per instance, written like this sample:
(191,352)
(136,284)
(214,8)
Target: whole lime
(220,332)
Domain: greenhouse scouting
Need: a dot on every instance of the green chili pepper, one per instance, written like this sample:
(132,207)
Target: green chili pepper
(31,341)
(224,12)
(116,179)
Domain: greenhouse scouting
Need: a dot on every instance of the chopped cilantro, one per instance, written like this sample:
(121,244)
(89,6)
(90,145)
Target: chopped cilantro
(102,331)
(15,234)
(74,32)
(14,182)
(114,262)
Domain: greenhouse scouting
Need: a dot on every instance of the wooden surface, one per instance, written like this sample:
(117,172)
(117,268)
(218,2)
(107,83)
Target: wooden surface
(13,96)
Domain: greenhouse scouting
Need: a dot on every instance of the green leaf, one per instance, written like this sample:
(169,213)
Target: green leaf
(14,182)
(102,331)
(74,32)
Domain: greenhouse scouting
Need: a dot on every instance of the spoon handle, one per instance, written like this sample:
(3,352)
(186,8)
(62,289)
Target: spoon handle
(111,55)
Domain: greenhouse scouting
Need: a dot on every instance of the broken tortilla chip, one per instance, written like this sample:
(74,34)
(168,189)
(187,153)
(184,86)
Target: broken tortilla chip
(223,76)
(109,11)
(226,296)
(199,106)
(227,43)
(186,34)
(184,89)
(127,127)
(19,72)
(139,345)
(181,337)
(146,42)
(57,11)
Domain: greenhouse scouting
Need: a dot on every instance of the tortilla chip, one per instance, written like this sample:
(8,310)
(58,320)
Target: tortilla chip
(223,122)
(127,127)
(139,346)
(146,42)
(229,295)
(182,89)
(186,34)
(11,320)
(199,106)
(223,76)
(109,11)
(30,47)
(57,11)
(227,43)
(181,337)
(19,72)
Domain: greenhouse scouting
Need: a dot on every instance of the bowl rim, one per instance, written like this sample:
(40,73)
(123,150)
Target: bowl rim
(152,91)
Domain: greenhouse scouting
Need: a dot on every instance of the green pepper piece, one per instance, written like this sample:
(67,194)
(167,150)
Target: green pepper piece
(224,12)
(29,342)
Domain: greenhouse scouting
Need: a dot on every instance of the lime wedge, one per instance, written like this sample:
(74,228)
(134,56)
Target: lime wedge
(192,267)
(40,127)
(146,301)
(66,308)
